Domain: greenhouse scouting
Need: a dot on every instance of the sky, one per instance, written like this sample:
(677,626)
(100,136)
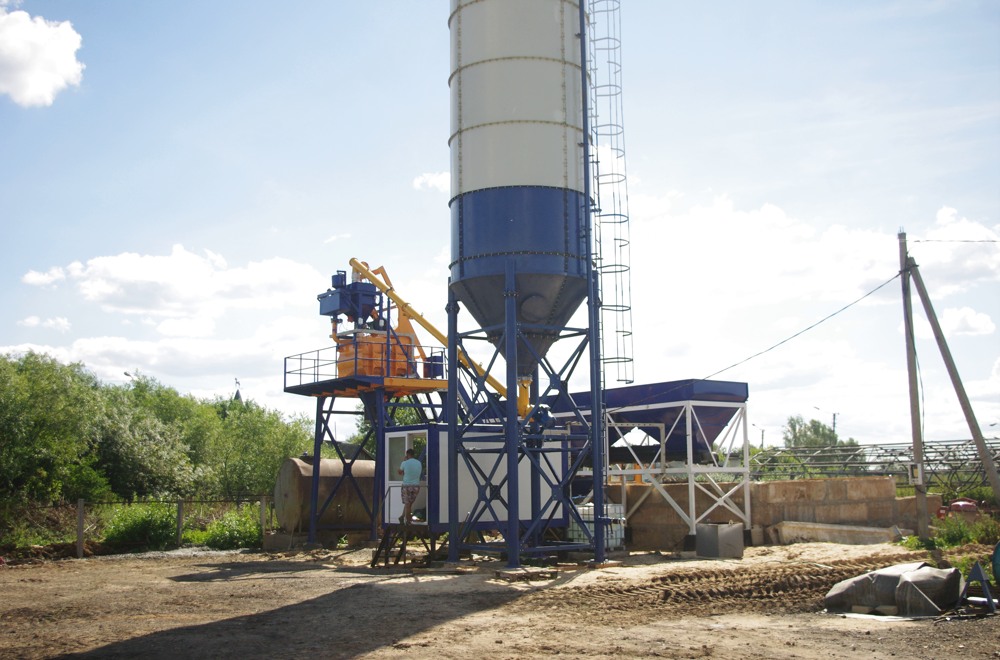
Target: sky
(178,181)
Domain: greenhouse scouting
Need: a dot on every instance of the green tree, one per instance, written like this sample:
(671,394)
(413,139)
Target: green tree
(196,421)
(47,413)
(65,435)
(140,455)
(798,433)
(253,443)
(824,455)
(399,415)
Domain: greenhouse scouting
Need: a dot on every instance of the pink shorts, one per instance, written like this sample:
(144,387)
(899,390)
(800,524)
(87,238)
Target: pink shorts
(409,494)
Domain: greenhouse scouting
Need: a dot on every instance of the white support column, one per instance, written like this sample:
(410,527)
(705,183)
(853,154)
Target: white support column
(692,509)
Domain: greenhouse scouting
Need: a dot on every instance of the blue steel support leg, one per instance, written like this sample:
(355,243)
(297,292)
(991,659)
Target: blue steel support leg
(314,487)
(380,461)
(597,425)
(451,414)
(511,430)
(593,311)
(536,477)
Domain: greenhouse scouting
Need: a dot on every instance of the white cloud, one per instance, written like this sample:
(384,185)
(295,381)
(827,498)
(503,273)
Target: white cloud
(966,321)
(49,277)
(203,365)
(217,260)
(439,181)
(59,323)
(190,287)
(336,237)
(956,254)
(193,320)
(37,58)
(713,284)
(199,327)
(953,322)
(748,258)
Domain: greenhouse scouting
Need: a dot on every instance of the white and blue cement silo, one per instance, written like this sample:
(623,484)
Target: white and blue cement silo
(520,251)
(517,163)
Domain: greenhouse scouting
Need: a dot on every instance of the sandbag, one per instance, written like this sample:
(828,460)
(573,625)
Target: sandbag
(869,591)
(928,591)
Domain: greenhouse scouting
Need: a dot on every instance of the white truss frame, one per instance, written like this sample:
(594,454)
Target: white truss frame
(730,463)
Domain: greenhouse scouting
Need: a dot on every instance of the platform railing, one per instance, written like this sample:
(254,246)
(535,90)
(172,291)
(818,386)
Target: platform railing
(400,361)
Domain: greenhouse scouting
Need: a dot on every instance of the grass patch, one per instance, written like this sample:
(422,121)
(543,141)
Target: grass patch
(139,527)
(195,537)
(955,531)
(236,529)
(916,543)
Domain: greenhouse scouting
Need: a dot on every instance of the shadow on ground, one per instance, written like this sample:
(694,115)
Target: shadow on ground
(343,623)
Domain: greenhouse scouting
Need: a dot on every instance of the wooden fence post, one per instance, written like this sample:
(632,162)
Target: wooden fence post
(263,515)
(79,528)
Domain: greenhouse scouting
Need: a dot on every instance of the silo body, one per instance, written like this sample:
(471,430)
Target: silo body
(517,164)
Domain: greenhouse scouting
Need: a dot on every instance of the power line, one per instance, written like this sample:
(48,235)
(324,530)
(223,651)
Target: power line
(933,240)
(784,341)
(801,332)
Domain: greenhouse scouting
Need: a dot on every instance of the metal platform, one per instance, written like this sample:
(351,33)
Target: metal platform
(317,373)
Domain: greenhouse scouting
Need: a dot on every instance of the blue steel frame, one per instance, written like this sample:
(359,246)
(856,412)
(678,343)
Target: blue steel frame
(324,409)
(518,442)
(493,427)
(378,405)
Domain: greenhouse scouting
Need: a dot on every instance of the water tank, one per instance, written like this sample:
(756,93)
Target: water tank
(292,488)
(517,165)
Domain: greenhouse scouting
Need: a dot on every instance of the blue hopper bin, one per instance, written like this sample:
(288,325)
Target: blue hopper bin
(657,403)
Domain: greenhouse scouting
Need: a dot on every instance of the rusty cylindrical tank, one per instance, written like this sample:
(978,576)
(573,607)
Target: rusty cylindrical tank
(291,493)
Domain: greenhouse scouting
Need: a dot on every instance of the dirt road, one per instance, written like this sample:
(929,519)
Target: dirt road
(330,604)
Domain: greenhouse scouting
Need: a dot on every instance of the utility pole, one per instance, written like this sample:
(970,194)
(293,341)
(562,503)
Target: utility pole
(834,427)
(908,270)
(920,488)
(989,467)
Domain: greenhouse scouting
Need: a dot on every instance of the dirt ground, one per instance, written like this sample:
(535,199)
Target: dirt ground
(330,604)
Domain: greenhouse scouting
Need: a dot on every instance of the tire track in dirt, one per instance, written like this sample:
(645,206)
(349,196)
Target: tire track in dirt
(786,588)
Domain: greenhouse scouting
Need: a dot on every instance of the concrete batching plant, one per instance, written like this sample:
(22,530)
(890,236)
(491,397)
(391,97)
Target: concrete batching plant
(512,459)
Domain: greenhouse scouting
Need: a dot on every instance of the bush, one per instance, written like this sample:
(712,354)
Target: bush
(914,543)
(140,527)
(986,530)
(953,531)
(195,537)
(236,529)
(22,526)
(964,564)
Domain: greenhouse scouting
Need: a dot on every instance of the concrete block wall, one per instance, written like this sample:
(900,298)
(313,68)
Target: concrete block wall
(865,501)
(859,501)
